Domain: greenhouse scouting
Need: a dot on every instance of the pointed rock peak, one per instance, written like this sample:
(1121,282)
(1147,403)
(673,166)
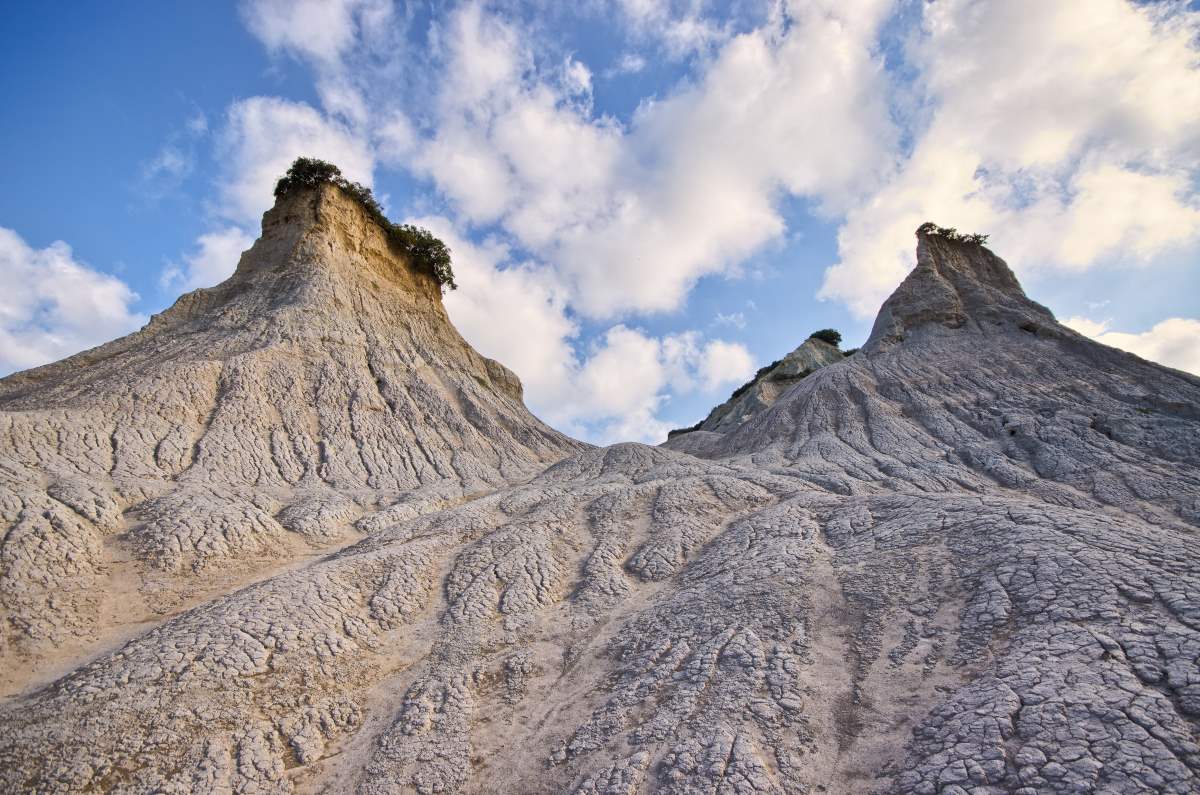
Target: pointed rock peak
(321,220)
(958,283)
(769,383)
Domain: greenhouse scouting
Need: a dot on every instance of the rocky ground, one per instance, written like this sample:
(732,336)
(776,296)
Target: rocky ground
(962,560)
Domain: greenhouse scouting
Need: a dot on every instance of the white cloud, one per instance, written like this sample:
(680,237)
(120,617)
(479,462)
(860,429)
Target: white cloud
(682,28)
(394,138)
(510,312)
(175,160)
(214,260)
(169,166)
(614,389)
(1174,342)
(629,63)
(631,218)
(725,363)
(576,78)
(705,168)
(509,148)
(261,138)
(53,306)
(1070,144)
(629,376)
(197,124)
(735,319)
(317,29)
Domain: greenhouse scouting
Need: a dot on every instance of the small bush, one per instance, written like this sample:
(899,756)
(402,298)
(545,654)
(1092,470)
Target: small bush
(850,352)
(421,248)
(830,335)
(950,233)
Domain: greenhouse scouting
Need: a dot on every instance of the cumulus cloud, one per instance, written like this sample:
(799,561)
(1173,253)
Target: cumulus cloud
(53,305)
(682,28)
(1174,342)
(1071,144)
(213,261)
(320,30)
(724,363)
(261,138)
(632,217)
(630,375)
(609,390)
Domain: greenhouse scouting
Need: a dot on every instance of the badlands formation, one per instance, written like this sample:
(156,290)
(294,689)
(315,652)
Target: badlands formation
(297,536)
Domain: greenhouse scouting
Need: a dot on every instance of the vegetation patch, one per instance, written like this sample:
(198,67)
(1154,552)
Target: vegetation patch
(420,247)
(930,229)
(830,335)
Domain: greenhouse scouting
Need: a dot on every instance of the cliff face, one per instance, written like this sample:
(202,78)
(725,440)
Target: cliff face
(962,560)
(250,423)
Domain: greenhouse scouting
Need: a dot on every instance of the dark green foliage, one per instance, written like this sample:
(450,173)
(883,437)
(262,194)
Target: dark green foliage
(950,233)
(678,431)
(850,352)
(830,335)
(425,250)
(419,245)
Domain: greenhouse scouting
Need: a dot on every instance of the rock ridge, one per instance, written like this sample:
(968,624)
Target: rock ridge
(767,386)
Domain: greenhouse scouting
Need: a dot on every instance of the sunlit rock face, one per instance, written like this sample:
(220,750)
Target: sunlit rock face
(964,559)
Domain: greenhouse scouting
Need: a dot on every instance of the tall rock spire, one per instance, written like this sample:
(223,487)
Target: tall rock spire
(254,419)
(956,283)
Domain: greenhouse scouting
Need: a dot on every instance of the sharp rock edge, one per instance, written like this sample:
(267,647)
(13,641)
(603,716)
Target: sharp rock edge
(961,560)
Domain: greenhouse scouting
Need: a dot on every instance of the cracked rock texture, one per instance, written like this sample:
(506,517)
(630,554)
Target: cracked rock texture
(964,560)
(248,425)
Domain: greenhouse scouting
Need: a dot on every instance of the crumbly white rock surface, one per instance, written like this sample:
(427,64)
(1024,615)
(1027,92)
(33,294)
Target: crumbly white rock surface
(963,560)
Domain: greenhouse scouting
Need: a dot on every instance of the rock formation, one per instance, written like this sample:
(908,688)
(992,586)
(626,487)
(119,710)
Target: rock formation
(773,380)
(247,425)
(964,559)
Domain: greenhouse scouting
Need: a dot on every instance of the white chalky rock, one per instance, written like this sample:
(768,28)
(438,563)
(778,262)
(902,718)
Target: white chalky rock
(962,560)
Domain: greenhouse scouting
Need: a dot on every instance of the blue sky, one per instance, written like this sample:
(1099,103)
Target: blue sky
(647,199)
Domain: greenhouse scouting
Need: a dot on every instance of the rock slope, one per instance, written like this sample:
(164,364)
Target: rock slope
(246,425)
(755,396)
(962,560)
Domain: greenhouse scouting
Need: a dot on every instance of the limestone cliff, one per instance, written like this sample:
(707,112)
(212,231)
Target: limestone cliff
(961,560)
